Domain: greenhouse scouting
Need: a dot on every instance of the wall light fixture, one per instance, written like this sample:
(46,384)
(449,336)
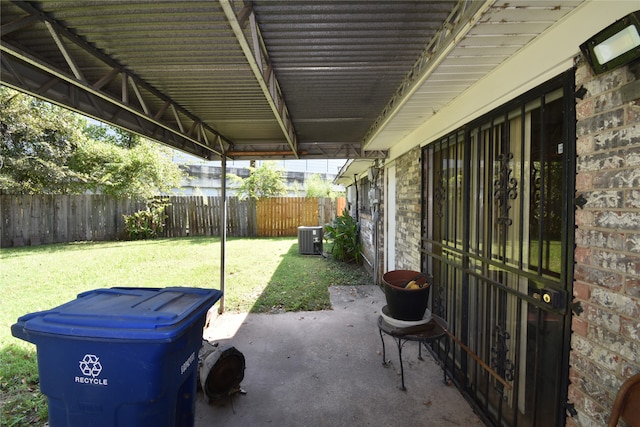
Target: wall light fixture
(616,45)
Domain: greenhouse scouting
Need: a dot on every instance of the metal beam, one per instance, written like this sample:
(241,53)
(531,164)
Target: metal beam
(32,80)
(223,232)
(18,24)
(258,60)
(65,53)
(26,72)
(263,149)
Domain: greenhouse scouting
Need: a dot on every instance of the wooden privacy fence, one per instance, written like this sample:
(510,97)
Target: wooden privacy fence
(201,216)
(281,216)
(42,219)
(340,206)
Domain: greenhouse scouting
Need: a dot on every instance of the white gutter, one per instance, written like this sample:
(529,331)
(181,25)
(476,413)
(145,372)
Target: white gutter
(431,65)
(549,55)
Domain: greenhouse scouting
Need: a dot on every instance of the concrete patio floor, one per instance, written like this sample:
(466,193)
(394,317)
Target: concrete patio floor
(324,368)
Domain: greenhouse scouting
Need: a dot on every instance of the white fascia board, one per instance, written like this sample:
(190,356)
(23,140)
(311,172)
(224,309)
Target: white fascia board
(549,55)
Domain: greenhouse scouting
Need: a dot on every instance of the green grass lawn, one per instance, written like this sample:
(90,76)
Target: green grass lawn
(262,275)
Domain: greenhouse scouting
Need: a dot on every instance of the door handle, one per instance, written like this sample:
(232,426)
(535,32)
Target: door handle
(551,297)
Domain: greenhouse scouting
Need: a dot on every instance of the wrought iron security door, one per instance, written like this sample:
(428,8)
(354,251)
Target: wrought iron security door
(498,239)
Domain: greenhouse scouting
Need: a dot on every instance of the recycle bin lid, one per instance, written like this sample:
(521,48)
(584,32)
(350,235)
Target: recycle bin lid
(159,314)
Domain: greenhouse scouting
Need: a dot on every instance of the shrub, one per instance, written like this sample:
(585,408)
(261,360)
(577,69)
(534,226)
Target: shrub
(345,235)
(146,224)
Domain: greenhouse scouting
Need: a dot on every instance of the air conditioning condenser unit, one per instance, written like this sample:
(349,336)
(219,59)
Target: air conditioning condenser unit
(310,240)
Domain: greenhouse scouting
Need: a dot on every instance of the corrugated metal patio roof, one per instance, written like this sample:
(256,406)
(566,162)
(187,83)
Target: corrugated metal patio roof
(266,78)
(495,32)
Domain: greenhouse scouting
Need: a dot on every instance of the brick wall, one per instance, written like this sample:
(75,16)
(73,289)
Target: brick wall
(606,336)
(408,197)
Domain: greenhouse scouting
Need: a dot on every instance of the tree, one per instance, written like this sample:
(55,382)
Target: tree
(37,140)
(51,150)
(315,186)
(113,135)
(264,181)
(141,172)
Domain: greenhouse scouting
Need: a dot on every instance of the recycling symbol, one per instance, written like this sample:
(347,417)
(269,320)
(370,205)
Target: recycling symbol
(90,365)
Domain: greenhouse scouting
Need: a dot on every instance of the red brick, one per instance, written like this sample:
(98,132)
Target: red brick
(584,182)
(584,109)
(582,255)
(589,311)
(580,273)
(584,218)
(575,396)
(571,422)
(573,373)
(583,74)
(630,328)
(633,113)
(632,284)
(628,370)
(598,316)
(581,291)
(579,327)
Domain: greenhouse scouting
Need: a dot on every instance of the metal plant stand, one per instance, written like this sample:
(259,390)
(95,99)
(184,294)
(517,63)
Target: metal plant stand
(430,331)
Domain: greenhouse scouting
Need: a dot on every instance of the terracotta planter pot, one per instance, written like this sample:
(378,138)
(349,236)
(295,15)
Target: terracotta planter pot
(405,304)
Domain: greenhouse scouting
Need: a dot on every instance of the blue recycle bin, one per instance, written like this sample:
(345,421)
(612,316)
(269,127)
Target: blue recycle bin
(120,356)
